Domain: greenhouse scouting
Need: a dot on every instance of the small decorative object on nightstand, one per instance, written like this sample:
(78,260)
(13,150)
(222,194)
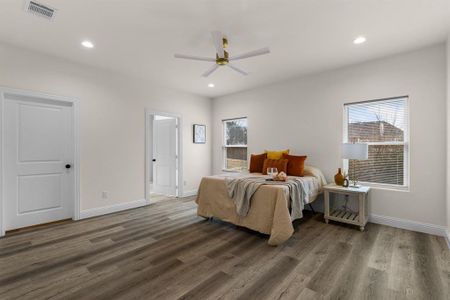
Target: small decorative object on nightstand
(345,215)
(339,177)
(346,182)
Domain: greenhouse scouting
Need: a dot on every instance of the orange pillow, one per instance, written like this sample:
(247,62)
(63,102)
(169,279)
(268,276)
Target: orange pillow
(280,164)
(296,165)
(257,162)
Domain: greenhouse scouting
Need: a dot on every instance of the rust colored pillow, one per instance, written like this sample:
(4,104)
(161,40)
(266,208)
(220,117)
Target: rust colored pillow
(257,162)
(280,164)
(296,165)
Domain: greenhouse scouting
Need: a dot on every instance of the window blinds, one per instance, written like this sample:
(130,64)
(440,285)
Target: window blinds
(383,125)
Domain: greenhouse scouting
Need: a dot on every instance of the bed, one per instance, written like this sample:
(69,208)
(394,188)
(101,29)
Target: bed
(269,212)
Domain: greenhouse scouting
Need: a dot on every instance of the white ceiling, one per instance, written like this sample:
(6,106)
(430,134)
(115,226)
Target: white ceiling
(139,37)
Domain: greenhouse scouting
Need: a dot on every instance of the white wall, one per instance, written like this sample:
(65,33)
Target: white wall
(448,140)
(112,122)
(306,115)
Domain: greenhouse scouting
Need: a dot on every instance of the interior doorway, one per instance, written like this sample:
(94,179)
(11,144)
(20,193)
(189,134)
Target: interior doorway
(163,152)
(39,159)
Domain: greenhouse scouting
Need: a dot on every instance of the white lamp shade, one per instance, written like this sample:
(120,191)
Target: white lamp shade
(355,151)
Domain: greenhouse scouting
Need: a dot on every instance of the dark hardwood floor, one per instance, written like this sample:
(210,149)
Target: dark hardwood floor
(164,251)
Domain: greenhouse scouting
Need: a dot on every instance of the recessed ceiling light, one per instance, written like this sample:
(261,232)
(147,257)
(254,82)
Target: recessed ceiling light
(211,85)
(87,44)
(359,40)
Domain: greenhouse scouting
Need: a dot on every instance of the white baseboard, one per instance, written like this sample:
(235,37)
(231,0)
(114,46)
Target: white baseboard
(98,211)
(409,225)
(189,193)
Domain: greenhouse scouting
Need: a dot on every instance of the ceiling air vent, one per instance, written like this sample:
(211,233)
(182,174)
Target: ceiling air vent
(39,9)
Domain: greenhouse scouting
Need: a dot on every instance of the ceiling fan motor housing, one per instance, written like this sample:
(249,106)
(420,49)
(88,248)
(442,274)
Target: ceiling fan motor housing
(221,61)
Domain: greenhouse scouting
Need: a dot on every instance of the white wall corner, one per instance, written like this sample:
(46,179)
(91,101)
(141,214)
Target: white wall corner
(99,211)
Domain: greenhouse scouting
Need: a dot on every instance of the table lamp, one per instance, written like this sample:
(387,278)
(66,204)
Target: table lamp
(355,151)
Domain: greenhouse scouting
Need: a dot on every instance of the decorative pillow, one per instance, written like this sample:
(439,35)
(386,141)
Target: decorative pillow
(280,164)
(296,165)
(276,154)
(257,162)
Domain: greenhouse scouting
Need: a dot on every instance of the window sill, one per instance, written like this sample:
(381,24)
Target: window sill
(387,187)
(233,171)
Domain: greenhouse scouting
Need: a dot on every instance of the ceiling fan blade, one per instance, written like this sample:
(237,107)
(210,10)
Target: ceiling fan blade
(217,37)
(210,70)
(237,69)
(261,51)
(194,57)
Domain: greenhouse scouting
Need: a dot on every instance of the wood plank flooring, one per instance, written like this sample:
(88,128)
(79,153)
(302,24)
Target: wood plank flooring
(164,251)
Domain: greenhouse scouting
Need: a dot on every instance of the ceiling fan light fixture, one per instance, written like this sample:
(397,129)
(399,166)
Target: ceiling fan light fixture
(221,61)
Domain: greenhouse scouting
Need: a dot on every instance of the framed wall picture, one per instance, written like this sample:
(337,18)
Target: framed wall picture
(199,134)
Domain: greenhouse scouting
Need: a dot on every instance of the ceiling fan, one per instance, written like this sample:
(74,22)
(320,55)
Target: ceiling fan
(222,56)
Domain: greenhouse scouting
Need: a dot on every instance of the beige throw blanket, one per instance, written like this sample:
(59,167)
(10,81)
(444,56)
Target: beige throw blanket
(241,191)
(269,213)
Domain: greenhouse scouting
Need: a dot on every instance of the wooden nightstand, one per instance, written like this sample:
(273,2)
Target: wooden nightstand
(340,215)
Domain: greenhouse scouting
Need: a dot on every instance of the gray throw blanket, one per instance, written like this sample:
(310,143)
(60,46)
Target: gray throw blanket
(241,190)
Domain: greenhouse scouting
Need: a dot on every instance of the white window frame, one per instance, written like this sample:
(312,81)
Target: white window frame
(225,146)
(406,143)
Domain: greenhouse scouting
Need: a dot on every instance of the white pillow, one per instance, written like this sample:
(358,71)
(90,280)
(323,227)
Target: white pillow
(315,172)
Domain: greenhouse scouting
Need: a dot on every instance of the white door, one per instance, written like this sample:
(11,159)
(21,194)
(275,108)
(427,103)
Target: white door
(39,185)
(165,156)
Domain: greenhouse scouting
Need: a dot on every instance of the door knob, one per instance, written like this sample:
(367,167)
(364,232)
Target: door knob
(154,159)
(68,166)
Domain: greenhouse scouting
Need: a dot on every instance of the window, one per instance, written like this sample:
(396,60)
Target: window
(235,144)
(383,125)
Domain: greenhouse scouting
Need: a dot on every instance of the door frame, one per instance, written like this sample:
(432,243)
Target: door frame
(149,144)
(76,142)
